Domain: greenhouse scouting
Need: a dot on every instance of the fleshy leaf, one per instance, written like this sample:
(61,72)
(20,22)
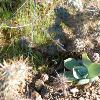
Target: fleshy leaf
(94,70)
(69,76)
(70,63)
(83,81)
(80,72)
(86,61)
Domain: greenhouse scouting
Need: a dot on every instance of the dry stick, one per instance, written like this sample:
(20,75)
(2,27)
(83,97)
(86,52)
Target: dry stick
(15,27)
(20,7)
(62,82)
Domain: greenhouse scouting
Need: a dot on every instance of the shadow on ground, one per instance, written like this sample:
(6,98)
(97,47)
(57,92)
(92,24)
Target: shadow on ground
(74,22)
(63,16)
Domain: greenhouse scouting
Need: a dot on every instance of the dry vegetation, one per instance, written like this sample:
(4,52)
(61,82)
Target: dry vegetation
(46,32)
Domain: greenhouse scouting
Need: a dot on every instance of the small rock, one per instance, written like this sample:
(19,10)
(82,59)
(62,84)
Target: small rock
(81,98)
(46,96)
(79,44)
(51,90)
(44,77)
(49,1)
(96,57)
(39,84)
(35,96)
(87,93)
(97,97)
(78,4)
(94,79)
(74,90)
(43,91)
(98,92)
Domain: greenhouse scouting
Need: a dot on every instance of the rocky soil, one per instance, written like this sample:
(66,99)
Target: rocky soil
(58,88)
(80,33)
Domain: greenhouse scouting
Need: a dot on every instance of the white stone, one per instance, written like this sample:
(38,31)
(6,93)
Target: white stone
(39,84)
(78,4)
(74,90)
(44,77)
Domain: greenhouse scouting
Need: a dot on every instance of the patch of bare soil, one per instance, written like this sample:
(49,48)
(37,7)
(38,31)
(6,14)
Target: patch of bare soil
(57,87)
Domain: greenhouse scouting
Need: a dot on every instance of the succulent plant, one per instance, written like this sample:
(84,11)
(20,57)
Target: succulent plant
(13,77)
(83,71)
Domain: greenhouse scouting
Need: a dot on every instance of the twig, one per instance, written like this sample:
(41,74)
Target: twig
(15,27)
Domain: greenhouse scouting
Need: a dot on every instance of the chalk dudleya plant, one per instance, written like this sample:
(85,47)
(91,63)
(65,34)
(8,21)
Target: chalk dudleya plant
(82,72)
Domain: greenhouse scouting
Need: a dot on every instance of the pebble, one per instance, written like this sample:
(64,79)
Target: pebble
(44,77)
(36,96)
(39,84)
(96,57)
(78,4)
(81,98)
(97,97)
(49,1)
(74,90)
